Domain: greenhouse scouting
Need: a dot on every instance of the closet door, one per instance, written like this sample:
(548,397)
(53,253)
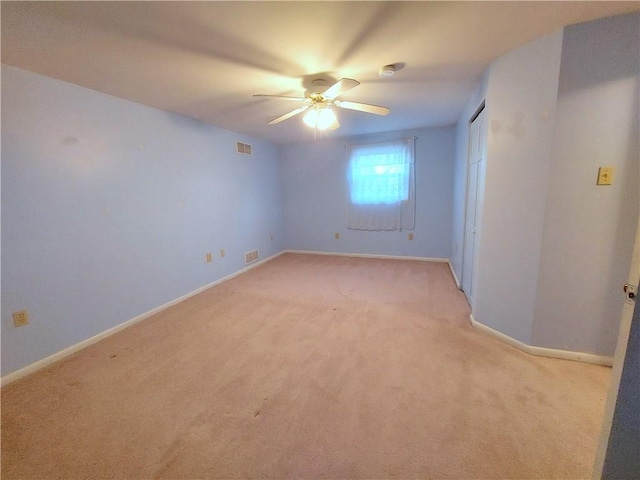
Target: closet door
(474,176)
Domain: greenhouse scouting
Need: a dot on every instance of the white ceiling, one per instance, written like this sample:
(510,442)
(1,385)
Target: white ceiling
(206,59)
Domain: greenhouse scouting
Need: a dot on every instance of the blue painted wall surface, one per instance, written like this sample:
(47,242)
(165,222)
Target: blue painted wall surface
(557,109)
(108,209)
(316,191)
(589,230)
(521,93)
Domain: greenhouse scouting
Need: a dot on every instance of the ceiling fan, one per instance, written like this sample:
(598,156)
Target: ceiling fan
(319,100)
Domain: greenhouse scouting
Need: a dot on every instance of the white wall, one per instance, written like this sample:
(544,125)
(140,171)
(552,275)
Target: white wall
(520,109)
(108,208)
(589,230)
(315,195)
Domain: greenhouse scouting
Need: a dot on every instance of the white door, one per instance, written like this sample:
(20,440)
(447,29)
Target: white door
(474,177)
(623,462)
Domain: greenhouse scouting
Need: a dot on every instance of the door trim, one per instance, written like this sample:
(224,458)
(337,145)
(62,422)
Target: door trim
(477,112)
(618,362)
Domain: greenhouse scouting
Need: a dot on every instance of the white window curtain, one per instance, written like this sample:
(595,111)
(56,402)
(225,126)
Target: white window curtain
(381,185)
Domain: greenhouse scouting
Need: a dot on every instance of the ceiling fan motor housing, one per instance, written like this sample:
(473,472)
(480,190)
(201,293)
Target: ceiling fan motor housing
(318,87)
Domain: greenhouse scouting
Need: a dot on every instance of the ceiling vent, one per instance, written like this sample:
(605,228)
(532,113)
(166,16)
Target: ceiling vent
(243,148)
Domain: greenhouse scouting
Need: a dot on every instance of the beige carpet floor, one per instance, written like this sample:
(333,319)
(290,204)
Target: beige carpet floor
(307,367)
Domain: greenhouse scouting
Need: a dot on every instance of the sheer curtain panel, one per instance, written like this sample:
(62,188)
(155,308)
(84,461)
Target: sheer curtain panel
(381,185)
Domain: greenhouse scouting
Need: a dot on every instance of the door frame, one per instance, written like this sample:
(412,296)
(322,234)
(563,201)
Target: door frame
(618,362)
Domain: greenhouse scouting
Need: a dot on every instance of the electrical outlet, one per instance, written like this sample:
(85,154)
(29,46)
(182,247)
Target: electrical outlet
(410,236)
(208,258)
(221,252)
(336,236)
(21,318)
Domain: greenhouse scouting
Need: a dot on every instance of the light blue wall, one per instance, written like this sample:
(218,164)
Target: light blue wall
(589,230)
(520,110)
(108,208)
(554,246)
(315,194)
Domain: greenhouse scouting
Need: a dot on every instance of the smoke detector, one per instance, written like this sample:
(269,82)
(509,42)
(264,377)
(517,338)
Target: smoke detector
(387,71)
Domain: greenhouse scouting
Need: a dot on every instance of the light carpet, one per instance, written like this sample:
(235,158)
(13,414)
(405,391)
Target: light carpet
(307,367)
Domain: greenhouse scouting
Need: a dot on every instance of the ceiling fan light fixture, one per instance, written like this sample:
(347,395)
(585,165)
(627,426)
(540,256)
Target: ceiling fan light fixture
(326,118)
(321,118)
(311,117)
(318,106)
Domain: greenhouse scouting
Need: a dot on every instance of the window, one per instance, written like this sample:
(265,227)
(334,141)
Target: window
(378,178)
(381,186)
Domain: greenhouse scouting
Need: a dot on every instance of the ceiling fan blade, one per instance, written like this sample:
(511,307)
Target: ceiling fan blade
(340,87)
(282,97)
(362,107)
(288,115)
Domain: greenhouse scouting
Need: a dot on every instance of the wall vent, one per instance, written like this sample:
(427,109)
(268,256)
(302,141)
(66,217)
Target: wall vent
(243,148)
(250,257)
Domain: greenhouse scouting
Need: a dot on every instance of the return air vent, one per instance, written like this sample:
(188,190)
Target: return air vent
(250,257)
(243,148)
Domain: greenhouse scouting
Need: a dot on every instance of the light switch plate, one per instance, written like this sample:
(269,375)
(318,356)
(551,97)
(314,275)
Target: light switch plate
(605,175)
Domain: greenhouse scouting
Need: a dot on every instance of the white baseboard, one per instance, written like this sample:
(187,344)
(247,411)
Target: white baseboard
(370,255)
(455,277)
(45,362)
(541,351)
(388,257)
